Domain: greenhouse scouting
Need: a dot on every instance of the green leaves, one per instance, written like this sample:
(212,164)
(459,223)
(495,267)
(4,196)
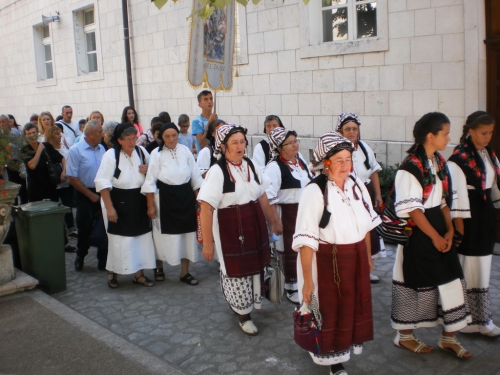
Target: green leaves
(204,13)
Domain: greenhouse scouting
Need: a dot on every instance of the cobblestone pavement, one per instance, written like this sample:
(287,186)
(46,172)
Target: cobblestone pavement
(193,330)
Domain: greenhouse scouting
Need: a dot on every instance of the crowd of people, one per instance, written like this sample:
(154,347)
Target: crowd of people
(138,195)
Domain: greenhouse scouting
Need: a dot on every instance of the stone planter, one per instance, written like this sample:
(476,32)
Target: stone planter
(8,193)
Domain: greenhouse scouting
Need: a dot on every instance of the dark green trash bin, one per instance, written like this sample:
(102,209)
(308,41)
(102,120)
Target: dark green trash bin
(40,234)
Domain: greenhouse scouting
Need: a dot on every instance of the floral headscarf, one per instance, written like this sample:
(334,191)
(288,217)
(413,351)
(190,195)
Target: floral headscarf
(276,138)
(223,133)
(329,144)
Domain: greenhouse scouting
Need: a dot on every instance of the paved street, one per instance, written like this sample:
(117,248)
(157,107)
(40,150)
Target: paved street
(193,330)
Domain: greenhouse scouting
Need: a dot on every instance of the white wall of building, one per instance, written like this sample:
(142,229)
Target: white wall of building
(435,62)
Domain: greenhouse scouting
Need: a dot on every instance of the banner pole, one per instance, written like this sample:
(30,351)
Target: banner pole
(215,101)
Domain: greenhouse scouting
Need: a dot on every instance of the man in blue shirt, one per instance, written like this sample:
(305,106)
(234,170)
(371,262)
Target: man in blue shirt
(83,161)
(199,124)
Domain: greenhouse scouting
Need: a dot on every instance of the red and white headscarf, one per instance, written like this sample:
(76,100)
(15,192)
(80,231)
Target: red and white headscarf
(276,138)
(223,133)
(328,144)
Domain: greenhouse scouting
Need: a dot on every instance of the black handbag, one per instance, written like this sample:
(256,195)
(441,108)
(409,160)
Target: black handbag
(55,170)
(394,228)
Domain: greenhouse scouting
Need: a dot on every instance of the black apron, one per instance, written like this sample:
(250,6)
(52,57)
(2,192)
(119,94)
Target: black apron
(177,208)
(423,265)
(132,210)
(479,230)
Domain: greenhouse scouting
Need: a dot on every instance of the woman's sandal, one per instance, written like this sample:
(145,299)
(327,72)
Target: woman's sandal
(401,337)
(452,340)
(112,282)
(143,280)
(188,279)
(159,274)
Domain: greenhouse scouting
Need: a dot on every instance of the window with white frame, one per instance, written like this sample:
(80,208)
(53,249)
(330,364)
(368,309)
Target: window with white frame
(86,41)
(44,54)
(339,27)
(348,20)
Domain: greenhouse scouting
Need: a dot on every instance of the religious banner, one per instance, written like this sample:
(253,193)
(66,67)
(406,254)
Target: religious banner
(211,46)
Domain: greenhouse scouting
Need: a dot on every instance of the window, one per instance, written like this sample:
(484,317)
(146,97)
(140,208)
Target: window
(86,32)
(44,54)
(348,20)
(89,30)
(339,27)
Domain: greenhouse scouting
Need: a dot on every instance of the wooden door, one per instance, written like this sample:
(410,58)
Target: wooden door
(493,75)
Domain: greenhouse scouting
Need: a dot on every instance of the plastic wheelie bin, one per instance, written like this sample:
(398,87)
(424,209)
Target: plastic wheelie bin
(40,234)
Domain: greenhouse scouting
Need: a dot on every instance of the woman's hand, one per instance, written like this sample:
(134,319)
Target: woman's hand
(370,264)
(307,289)
(440,244)
(143,168)
(276,227)
(449,240)
(63,176)
(152,212)
(208,251)
(112,216)
(41,146)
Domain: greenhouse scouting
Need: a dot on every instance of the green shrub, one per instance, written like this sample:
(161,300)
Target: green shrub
(387,176)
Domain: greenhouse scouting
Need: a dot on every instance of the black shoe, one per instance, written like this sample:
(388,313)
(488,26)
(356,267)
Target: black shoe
(69,249)
(73,234)
(78,263)
(101,266)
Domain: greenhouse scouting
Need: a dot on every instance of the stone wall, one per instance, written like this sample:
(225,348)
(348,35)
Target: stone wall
(435,61)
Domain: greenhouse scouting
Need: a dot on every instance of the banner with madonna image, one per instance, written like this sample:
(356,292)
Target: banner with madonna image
(211,46)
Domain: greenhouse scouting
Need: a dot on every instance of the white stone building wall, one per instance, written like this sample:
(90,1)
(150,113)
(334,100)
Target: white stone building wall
(435,62)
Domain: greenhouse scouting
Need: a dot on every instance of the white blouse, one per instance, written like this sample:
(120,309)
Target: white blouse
(460,207)
(203,160)
(211,190)
(173,167)
(130,177)
(285,196)
(409,193)
(349,222)
(258,156)
(358,162)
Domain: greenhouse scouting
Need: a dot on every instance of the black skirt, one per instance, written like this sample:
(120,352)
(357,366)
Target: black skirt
(132,210)
(479,230)
(177,208)
(423,265)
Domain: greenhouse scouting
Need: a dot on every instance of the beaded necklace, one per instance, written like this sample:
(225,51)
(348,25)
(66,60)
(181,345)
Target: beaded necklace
(239,168)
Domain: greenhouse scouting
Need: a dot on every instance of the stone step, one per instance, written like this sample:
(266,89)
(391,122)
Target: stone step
(21,282)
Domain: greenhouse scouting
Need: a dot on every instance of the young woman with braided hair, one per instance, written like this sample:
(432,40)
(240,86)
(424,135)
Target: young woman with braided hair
(475,173)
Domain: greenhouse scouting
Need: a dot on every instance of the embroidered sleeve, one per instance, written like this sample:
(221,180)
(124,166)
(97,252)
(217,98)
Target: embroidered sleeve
(374,165)
(211,189)
(104,177)
(409,194)
(149,185)
(273,174)
(460,198)
(376,221)
(308,218)
(203,160)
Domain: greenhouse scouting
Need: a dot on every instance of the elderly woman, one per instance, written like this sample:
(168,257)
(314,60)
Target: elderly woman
(124,209)
(366,169)
(261,153)
(288,175)
(108,130)
(233,195)
(170,187)
(333,238)
(475,172)
(206,156)
(37,156)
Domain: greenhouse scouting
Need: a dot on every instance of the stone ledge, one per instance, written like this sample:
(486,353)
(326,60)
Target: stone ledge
(21,283)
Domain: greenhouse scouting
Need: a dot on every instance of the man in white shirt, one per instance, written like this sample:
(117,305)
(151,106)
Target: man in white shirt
(70,128)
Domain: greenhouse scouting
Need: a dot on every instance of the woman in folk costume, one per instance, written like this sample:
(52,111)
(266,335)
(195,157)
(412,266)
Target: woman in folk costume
(475,173)
(206,156)
(366,169)
(171,186)
(332,235)
(427,287)
(288,175)
(119,179)
(262,152)
(233,198)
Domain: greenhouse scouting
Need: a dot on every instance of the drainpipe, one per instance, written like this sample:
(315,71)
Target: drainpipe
(126,40)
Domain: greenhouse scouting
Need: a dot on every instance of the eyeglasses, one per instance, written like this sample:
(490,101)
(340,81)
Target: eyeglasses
(296,142)
(353,129)
(129,139)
